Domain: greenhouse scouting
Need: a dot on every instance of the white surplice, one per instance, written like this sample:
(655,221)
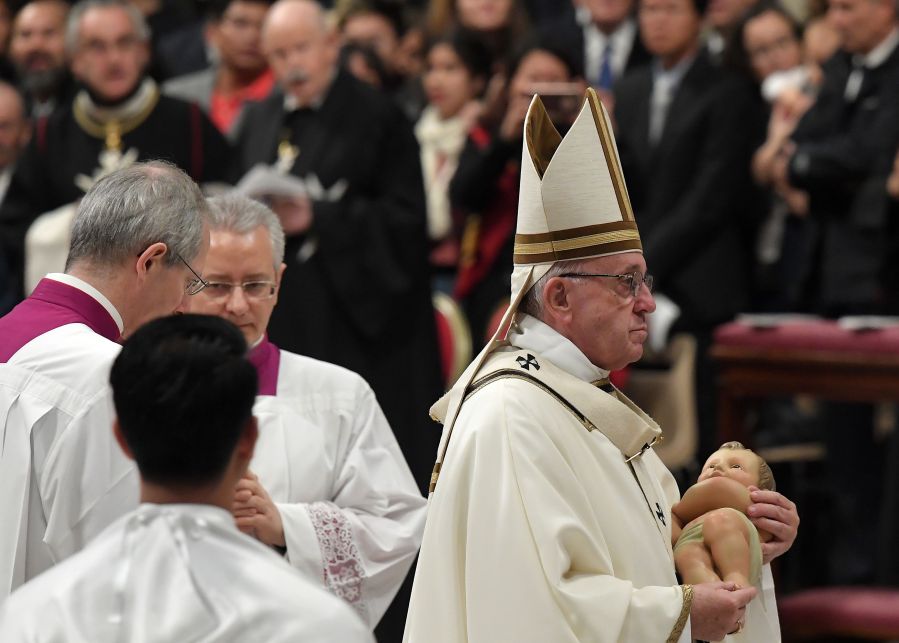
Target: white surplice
(352,513)
(167,573)
(63,478)
(538,530)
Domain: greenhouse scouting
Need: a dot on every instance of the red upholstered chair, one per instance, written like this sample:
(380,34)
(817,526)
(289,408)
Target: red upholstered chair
(453,337)
(857,612)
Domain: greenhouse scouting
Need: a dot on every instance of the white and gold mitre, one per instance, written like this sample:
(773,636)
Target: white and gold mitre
(573,202)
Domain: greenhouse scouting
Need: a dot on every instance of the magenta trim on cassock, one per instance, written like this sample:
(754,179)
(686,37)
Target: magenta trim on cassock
(51,305)
(266,357)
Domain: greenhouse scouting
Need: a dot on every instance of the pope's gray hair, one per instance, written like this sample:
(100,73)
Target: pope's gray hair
(241,215)
(532,302)
(128,210)
(73,24)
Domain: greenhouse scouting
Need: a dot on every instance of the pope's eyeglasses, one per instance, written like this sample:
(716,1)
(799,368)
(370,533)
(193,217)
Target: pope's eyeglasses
(633,280)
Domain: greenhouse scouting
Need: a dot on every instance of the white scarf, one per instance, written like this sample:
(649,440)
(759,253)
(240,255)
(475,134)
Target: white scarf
(441,142)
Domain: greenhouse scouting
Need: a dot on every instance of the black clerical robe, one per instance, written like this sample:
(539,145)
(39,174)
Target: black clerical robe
(60,150)
(845,147)
(356,291)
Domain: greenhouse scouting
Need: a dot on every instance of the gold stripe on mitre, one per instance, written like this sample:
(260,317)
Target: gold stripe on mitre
(576,243)
(610,151)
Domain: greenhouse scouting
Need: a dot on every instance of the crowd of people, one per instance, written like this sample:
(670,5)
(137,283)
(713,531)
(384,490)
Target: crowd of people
(382,145)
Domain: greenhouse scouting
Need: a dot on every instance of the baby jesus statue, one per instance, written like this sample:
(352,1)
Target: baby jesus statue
(713,538)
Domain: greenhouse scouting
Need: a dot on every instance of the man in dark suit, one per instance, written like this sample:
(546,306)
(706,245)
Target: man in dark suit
(842,140)
(839,153)
(356,290)
(603,36)
(685,152)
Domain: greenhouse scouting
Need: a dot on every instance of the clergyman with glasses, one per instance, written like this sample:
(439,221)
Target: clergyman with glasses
(328,486)
(550,513)
(139,242)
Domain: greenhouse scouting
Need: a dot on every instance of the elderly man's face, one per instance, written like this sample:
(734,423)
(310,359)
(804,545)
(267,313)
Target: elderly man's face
(301,51)
(607,323)
(110,56)
(37,47)
(235,258)
(863,24)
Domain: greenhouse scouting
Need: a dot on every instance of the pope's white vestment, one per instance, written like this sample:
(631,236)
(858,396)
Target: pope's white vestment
(167,573)
(352,513)
(538,529)
(63,478)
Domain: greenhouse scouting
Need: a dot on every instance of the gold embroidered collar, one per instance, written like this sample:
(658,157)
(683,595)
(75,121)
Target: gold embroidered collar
(111,123)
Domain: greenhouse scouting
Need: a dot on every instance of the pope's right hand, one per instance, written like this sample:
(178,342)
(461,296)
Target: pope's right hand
(718,609)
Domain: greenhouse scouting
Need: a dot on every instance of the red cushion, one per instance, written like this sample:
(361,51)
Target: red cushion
(840,611)
(816,335)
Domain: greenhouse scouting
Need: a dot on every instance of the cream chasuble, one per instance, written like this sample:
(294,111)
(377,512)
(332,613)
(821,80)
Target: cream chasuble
(538,529)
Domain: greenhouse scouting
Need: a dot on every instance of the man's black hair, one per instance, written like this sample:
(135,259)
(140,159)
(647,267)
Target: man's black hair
(183,390)
(215,9)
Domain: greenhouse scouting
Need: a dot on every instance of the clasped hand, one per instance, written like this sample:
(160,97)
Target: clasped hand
(255,513)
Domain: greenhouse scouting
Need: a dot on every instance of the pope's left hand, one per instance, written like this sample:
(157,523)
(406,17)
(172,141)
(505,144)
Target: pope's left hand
(777,515)
(255,513)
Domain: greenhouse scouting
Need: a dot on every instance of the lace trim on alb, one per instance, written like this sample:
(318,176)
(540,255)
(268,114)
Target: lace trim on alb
(342,570)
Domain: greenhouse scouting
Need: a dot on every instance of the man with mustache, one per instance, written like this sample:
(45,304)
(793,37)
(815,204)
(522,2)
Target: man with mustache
(116,118)
(37,50)
(356,291)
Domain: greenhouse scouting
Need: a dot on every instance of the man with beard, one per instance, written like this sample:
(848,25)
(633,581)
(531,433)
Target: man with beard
(118,117)
(37,50)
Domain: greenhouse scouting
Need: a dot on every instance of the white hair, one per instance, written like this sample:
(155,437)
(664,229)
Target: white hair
(73,24)
(241,215)
(129,210)
(532,302)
